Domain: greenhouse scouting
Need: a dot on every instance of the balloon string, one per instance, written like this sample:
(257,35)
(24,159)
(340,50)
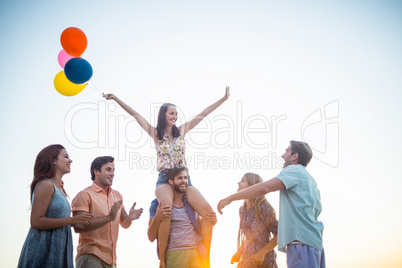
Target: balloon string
(94,87)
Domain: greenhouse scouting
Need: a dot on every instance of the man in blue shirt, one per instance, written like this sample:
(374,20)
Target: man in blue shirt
(299,230)
(185,246)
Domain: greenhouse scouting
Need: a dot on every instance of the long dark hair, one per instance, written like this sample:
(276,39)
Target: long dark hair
(161,125)
(44,168)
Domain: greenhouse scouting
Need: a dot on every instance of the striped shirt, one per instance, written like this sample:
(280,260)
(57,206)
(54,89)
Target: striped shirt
(183,234)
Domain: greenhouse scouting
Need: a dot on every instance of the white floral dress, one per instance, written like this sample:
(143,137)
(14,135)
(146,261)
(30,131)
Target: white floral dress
(171,152)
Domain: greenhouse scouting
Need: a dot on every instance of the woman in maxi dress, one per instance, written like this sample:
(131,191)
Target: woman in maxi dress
(257,222)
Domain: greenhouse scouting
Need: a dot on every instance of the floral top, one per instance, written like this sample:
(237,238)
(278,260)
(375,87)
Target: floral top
(256,234)
(171,152)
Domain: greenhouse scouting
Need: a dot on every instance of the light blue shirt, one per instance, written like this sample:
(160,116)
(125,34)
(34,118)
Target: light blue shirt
(299,208)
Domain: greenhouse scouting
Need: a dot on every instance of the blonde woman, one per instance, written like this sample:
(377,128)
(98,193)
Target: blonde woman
(257,223)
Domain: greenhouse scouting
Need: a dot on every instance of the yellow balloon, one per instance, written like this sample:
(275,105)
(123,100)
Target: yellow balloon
(65,87)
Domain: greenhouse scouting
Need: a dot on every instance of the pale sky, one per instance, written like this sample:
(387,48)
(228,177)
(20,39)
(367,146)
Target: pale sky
(328,73)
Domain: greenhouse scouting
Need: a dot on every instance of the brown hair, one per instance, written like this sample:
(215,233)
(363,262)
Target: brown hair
(44,168)
(98,163)
(174,171)
(303,150)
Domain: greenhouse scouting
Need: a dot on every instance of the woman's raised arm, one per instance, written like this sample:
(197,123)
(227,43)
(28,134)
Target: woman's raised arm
(186,127)
(143,123)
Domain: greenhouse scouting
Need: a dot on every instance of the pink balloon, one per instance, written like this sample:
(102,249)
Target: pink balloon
(63,58)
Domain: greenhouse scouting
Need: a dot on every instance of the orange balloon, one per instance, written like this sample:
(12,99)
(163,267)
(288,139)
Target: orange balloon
(73,41)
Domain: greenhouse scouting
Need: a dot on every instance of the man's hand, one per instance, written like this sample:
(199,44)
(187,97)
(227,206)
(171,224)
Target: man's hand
(211,217)
(223,203)
(135,213)
(163,212)
(114,210)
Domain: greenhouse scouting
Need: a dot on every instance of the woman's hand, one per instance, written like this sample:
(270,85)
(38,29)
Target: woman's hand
(109,96)
(82,219)
(235,258)
(227,93)
(258,258)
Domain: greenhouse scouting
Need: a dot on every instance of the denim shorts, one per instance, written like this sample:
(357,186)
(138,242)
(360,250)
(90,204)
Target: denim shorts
(163,179)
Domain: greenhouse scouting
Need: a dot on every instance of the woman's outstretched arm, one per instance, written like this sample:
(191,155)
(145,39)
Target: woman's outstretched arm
(141,120)
(186,127)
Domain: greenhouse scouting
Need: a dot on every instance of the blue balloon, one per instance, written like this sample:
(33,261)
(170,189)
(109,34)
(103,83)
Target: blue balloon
(78,70)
